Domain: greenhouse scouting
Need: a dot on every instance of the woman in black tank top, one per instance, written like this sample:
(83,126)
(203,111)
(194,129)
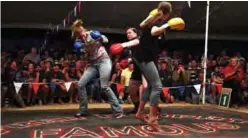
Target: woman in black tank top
(144,57)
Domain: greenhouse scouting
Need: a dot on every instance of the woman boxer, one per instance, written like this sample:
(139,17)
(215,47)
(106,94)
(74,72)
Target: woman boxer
(99,63)
(146,53)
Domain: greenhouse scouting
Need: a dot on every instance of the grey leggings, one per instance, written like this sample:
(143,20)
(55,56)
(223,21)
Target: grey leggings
(154,88)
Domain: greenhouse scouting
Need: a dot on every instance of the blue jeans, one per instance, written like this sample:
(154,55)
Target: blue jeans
(154,88)
(103,68)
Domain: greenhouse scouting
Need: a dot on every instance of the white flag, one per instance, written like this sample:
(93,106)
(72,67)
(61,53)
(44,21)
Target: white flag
(18,86)
(45,42)
(64,22)
(189,4)
(75,11)
(57,28)
(198,88)
(67,85)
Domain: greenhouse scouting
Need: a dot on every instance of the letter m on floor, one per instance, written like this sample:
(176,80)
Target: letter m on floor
(127,130)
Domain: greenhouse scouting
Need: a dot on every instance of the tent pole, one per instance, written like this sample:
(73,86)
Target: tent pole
(205,54)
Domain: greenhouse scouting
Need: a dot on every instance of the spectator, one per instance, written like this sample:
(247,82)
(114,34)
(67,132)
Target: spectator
(47,56)
(233,75)
(165,75)
(71,76)
(244,90)
(59,79)
(9,76)
(166,79)
(125,78)
(33,56)
(217,79)
(180,78)
(32,77)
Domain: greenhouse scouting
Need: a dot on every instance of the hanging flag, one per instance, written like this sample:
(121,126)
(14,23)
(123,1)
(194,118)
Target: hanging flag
(36,86)
(219,88)
(67,85)
(45,41)
(197,88)
(119,87)
(18,86)
(75,11)
(79,6)
(64,22)
(189,4)
(166,92)
(57,28)
(181,90)
(52,86)
(68,18)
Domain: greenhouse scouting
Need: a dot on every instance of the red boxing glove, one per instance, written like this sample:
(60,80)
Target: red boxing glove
(116,49)
(124,63)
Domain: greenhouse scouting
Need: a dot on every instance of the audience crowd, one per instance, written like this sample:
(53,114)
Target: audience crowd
(53,67)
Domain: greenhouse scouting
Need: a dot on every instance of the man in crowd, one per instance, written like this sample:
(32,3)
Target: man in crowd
(233,75)
(125,78)
(33,56)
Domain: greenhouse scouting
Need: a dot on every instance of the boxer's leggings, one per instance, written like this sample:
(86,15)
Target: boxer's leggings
(154,88)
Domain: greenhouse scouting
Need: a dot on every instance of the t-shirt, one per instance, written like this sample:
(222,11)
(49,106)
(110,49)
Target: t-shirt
(35,59)
(58,75)
(126,73)
(148,49)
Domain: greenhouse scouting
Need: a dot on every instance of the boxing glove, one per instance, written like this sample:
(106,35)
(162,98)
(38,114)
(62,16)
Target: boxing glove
(95,34)
(124,63)
(175,24)
(155,12)
(116,49)
(78,44)
(98,36)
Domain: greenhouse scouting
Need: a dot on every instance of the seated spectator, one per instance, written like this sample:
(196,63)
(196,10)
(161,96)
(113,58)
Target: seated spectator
(165,75)
(125,78)
(233,75)
(194,73)
(33,56)
(9,78)
(244,90)
(59,79)
(116,78)
(47,56)
(71,76)
(180,77)
(217,79)
(166,78)
(33,77)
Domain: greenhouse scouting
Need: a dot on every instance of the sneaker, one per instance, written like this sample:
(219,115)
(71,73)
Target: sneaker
(118,115)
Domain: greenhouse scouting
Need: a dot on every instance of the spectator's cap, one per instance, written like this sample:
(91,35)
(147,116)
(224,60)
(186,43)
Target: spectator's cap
(25,67)
(56,62)
(242,59)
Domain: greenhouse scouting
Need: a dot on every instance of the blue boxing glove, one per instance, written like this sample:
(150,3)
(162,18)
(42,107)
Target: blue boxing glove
(95,34)
(78,44)
(98,36)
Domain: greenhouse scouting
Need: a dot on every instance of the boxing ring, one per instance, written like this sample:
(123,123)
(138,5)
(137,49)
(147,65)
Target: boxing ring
(177,120)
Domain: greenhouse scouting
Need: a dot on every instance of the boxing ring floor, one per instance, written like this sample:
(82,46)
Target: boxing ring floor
(191,121)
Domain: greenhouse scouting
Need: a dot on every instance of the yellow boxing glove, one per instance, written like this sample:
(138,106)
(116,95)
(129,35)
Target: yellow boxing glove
(175,23)
(154,12)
